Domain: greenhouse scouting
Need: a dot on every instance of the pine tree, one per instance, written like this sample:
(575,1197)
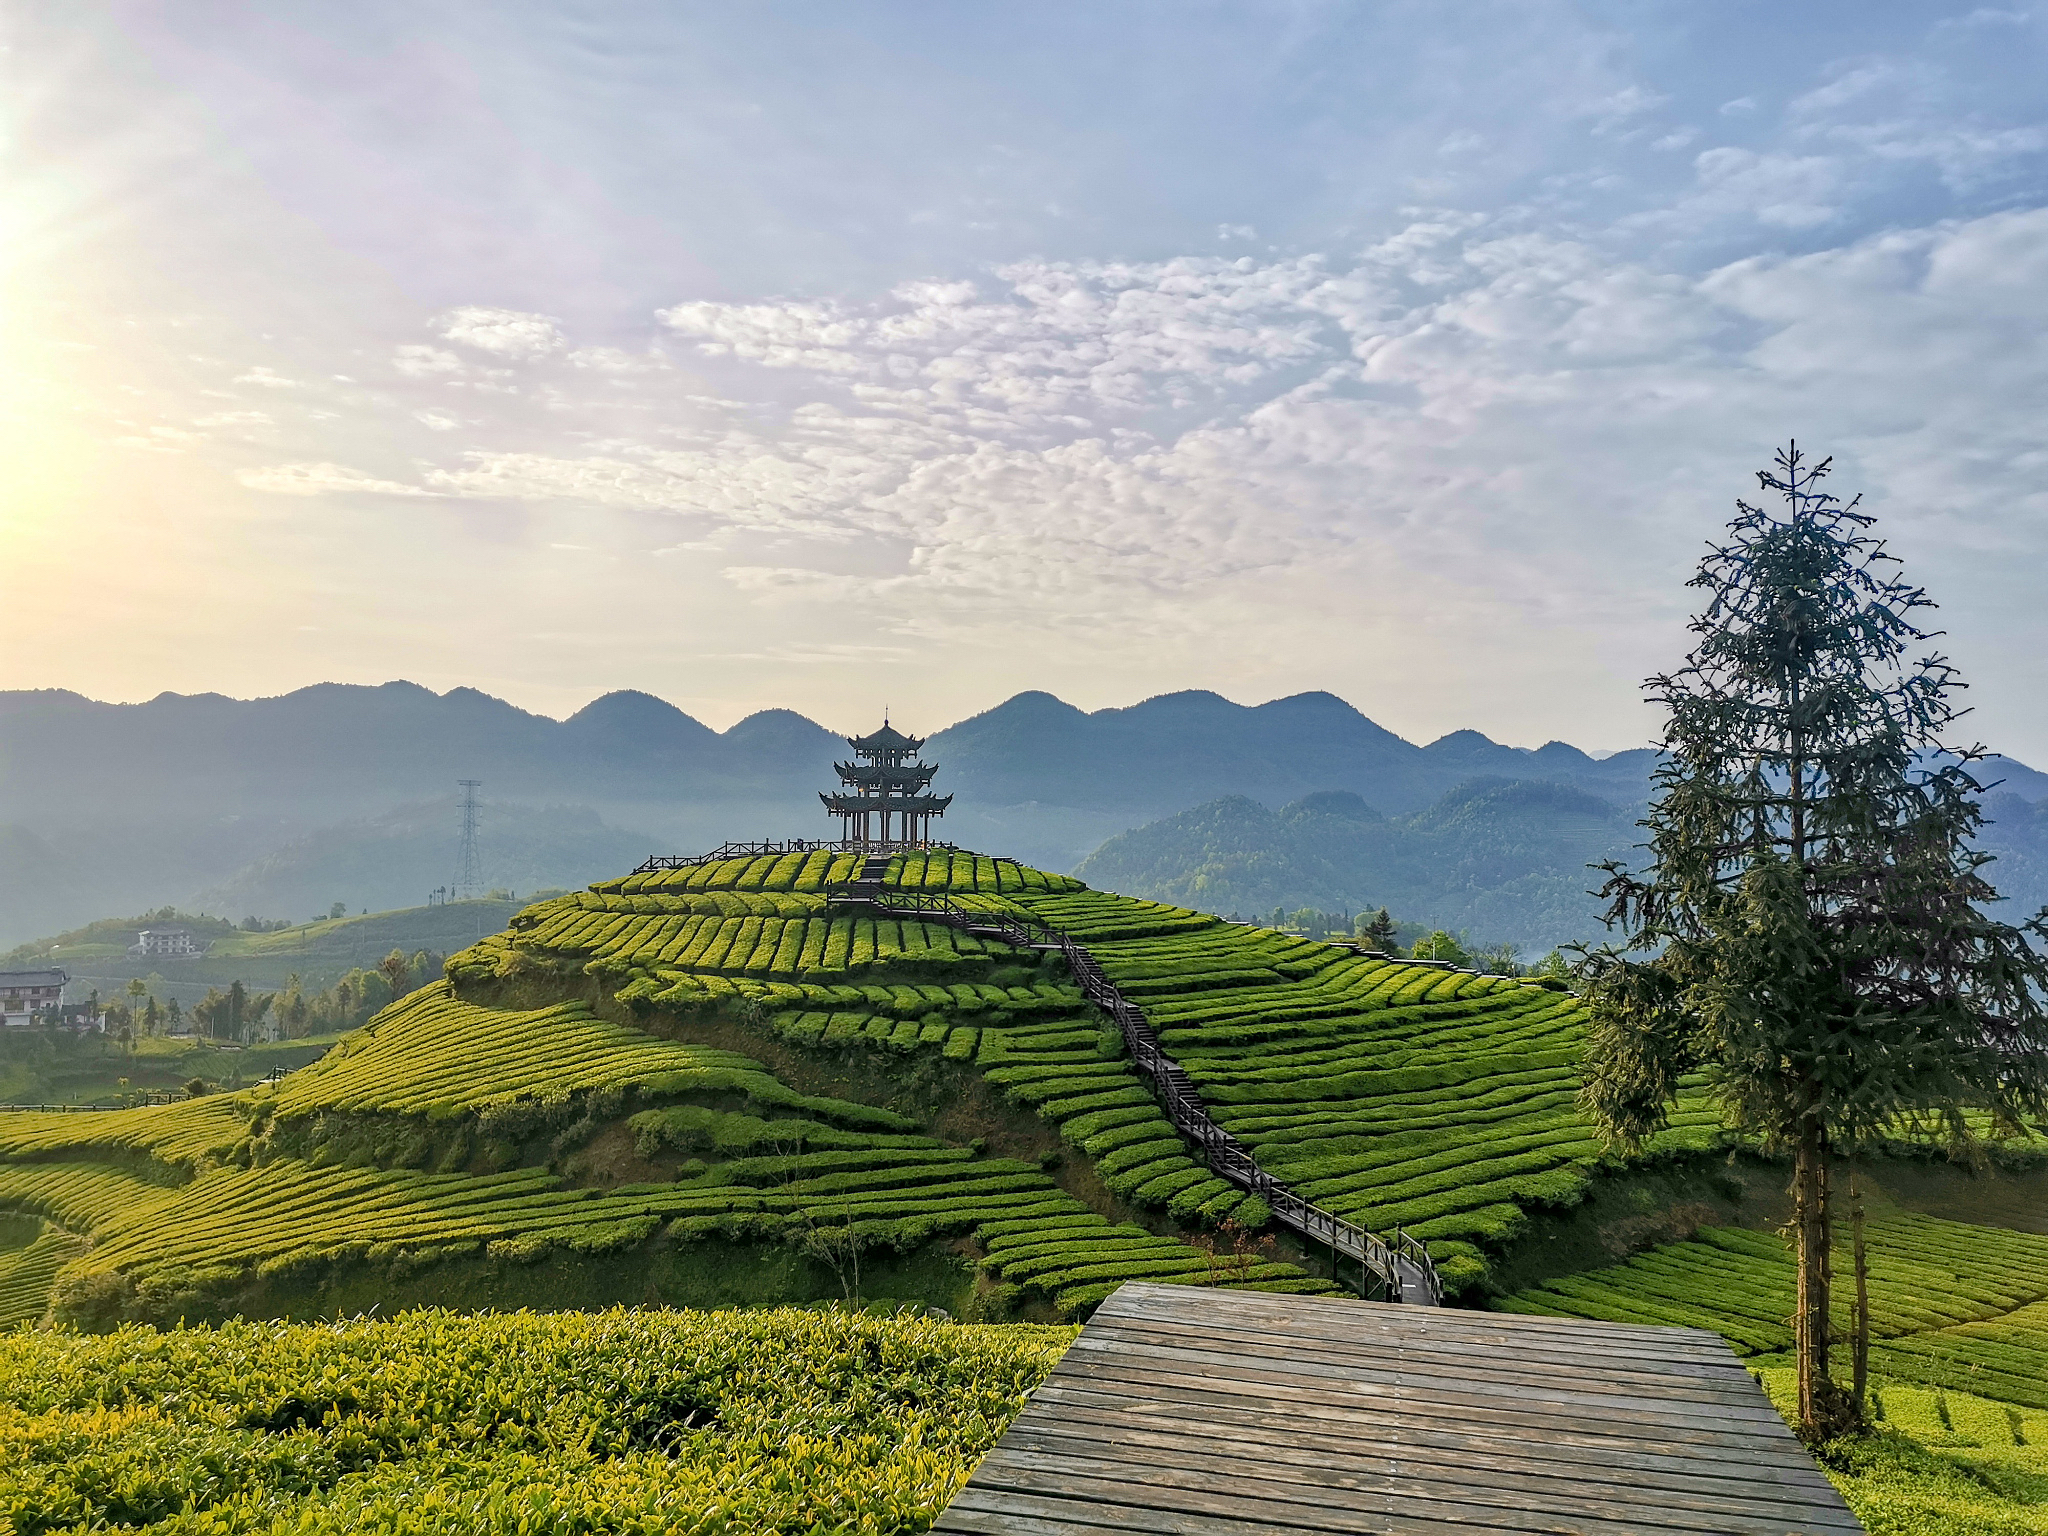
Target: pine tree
(1810,931)
(1378,933)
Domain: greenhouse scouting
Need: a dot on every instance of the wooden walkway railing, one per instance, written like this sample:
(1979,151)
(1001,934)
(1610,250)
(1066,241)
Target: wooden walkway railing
(142,1099)
(1397,1269)
(656,861)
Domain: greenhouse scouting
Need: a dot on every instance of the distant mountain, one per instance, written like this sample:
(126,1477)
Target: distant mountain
(1181,749)
(270,802)
(1506,859)
(109,807)
(1503,858)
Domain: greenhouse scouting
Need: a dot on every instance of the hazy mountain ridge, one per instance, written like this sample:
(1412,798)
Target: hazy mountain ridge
(1505,859)
(265,803)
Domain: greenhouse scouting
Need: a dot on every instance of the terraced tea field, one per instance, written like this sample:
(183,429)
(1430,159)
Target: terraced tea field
(1394,1094)
(449,1131)
(1951,1305)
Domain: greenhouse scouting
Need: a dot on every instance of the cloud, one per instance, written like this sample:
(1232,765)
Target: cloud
(1460,403)
(322,480)
(267,377)
(233,419)
(437,421)
(1983,16)
(422,362)
(508,333)
(615,360)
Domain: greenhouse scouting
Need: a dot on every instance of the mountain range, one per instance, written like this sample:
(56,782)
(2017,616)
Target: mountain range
(331,792)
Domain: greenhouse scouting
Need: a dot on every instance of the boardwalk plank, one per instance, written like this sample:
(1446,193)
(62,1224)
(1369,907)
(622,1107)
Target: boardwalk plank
(1212,1413)
(1218,1446)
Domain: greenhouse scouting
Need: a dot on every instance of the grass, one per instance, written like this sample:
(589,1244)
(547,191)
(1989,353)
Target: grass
(1937,1462)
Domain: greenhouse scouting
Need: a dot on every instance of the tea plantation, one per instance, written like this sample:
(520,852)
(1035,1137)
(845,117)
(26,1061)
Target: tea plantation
(1958,1358)
(702,1087)
(641,1422)
(583,1114)
(1951,1305)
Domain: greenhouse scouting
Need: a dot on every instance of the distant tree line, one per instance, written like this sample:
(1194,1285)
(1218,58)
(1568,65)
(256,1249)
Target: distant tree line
(292,1012)
(1378,929)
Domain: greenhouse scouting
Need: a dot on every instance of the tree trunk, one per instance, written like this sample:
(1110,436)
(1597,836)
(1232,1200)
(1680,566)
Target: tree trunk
(1810,1321)
(1860,1371)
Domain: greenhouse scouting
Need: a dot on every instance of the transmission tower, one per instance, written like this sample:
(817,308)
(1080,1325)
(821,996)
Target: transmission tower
(469,880)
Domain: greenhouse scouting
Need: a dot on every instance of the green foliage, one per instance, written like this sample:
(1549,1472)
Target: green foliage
(1497,856)
(1440,946)
(1390,1093)
(646,1422)
(1811,918)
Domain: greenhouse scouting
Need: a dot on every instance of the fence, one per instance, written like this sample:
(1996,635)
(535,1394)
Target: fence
(658,861)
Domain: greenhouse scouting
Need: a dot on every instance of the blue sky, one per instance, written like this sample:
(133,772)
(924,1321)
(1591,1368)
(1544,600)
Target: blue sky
(828,355)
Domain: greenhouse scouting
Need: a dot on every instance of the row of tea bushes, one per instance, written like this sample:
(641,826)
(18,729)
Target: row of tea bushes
(940,869)
(1395,1094)
(637,1423)
(1951,1304)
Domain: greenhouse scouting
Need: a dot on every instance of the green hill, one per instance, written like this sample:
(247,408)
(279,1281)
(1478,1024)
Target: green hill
(700,1085)
(538,1129)
(1504,859)
(319,953)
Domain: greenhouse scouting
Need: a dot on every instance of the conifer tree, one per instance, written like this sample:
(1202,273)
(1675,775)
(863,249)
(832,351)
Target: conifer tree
(1810,931)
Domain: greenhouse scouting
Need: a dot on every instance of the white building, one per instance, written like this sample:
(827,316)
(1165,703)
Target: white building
(25,994)
(164,943)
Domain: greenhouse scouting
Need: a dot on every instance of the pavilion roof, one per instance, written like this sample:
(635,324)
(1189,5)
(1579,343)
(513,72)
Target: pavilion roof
(887,739)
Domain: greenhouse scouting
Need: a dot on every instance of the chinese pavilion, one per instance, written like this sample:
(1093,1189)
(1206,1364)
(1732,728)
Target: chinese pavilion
(886,799)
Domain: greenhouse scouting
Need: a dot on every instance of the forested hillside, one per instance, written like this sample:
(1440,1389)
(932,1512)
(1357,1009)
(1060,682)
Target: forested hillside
(1505,859)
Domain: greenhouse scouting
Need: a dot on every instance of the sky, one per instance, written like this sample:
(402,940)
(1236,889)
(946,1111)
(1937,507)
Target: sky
(836,356)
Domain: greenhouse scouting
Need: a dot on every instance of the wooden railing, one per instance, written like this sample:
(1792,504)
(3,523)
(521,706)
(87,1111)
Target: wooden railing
(141,1099)
(1398,1268)
(657,861)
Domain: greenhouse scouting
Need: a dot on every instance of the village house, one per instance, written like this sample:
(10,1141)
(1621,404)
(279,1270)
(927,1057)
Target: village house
(24,995)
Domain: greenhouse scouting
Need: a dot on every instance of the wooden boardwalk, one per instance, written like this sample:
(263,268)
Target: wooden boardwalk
(1222,1413)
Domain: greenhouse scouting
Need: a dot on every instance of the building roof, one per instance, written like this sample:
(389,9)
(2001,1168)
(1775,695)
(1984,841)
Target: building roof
(1230,1413)
(917,774)
(887,739)
(53,977)
(915,805)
